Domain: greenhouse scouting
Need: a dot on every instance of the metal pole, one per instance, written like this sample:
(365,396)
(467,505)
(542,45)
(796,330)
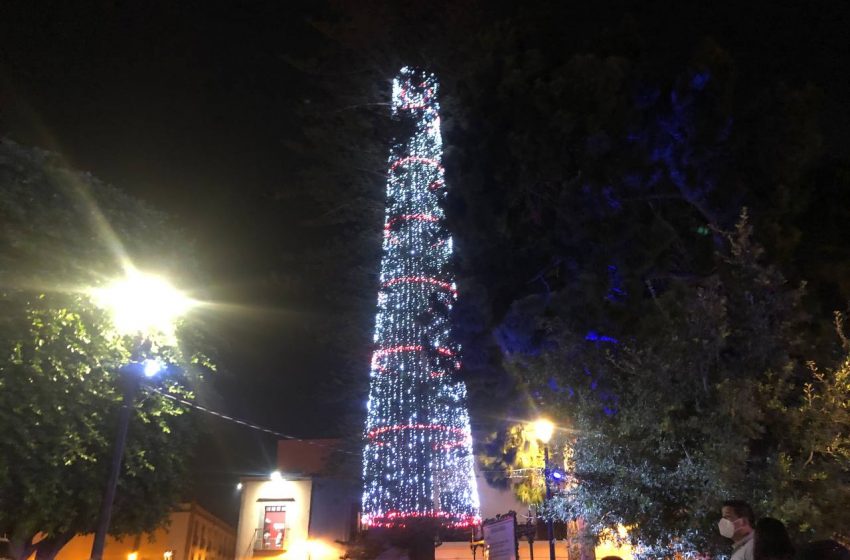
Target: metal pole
(550,529)
(129,387)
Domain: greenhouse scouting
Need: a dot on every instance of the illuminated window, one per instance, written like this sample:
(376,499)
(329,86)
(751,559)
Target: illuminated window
(274,527)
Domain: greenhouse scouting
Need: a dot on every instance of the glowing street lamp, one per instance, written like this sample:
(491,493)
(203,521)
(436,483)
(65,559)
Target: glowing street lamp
(145,306)
(543,430)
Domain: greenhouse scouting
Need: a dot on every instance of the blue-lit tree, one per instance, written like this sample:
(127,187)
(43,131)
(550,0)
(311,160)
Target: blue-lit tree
(417,464)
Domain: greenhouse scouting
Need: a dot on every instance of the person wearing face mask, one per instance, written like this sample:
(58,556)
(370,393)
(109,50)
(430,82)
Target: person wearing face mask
(737,523)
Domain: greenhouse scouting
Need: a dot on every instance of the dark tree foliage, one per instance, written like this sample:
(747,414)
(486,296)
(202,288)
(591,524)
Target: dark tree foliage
(598,159)
(706,396)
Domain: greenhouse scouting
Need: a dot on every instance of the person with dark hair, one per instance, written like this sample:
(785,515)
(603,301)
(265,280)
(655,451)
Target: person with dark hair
(823,550)
(737,523)
(771,541)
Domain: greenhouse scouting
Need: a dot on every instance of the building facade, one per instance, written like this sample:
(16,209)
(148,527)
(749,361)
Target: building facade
(309,508)
(300,511)
(192,533)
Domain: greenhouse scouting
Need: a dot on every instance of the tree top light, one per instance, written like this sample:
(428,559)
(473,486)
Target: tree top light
(543,430)
(143,303)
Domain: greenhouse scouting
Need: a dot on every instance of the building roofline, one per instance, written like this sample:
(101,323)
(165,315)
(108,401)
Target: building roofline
(196,508)
(285,476)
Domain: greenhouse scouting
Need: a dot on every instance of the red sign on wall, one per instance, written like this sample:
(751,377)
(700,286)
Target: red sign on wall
(274,527)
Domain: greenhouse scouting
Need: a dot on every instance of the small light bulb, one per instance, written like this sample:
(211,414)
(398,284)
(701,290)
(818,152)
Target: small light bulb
(152,367)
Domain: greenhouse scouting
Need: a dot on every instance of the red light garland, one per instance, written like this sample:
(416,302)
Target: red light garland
(416,159)
(400,427)
(403,217)
(421,280)
(407,105)
(381,352)
(398,519)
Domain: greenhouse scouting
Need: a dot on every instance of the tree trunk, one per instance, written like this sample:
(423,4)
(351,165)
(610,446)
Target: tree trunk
(48,548)
(581,544)
(20,547)
(421,547)
(587,542)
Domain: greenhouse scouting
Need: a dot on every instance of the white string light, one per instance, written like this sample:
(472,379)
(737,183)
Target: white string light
(418,461)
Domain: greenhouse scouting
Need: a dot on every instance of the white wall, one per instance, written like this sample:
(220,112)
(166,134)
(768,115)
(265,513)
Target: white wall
(294,495)
(497,500)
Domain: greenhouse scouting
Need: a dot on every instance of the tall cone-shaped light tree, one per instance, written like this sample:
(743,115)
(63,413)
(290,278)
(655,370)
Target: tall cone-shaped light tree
(417,462)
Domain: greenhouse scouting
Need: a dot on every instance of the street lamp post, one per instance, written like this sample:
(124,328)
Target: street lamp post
(141,305)
(130,382)
(543,430)
(550,529)
(530,529)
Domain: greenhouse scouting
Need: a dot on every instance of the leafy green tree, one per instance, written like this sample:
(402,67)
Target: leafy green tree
(808,479)
(518,456)
(705,397)
(63,233)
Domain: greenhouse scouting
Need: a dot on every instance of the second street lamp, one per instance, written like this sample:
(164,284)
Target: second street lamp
(543,430)
(143,306)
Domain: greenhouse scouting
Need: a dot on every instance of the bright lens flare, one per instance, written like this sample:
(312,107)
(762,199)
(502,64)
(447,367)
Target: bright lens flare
(143,304)
(314,550)
(152,367)
(543,430)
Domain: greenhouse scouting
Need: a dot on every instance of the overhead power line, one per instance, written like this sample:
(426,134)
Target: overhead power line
(241,422)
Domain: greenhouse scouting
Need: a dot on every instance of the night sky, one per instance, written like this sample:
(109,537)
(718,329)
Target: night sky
(194,108)
(191,111)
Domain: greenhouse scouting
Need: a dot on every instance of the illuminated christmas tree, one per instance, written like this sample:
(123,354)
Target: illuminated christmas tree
(417,464)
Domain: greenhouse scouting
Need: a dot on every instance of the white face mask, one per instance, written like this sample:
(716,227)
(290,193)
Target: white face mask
(726,527)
